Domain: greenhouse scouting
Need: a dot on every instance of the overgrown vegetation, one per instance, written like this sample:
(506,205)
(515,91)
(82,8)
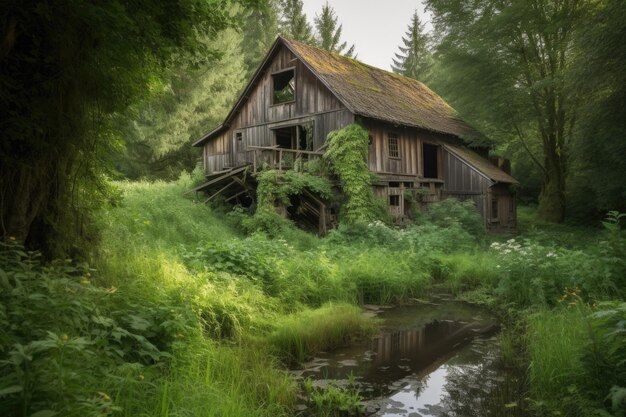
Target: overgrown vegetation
(180,306)
(347,155)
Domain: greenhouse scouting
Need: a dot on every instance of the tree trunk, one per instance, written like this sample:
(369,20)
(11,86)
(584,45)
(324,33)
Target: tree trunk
(552,197)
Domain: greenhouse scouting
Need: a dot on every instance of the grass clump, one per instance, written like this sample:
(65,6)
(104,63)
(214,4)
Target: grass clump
(298,336)
(334,400)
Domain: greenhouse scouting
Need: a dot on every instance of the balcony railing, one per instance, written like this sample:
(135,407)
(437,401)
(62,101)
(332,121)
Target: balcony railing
(280,158)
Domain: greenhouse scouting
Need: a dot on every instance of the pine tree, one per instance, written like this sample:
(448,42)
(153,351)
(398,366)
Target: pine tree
(294,22)
(193,100)
(414,58)
(329,33)
(261,28)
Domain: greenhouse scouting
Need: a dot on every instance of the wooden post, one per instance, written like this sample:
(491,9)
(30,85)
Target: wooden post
(280,160)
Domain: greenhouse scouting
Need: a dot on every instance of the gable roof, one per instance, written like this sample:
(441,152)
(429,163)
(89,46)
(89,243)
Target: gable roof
(375,93)
(366,91)
(481,164)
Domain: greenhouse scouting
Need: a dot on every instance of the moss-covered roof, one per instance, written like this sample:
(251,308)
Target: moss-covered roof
(380,94)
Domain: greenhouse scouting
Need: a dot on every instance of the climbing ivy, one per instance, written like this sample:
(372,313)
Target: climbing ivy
(347,155)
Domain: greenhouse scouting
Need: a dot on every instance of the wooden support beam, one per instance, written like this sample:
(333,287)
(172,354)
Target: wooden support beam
(220,178)
(220,191)
(236,195)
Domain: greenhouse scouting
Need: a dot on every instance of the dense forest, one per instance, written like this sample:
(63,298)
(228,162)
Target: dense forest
(122,294)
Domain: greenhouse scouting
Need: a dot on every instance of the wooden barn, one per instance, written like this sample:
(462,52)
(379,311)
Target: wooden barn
(417,147)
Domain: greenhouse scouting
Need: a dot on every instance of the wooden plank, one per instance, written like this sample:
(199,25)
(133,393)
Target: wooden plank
(222,177)
(230,184)
(236,195)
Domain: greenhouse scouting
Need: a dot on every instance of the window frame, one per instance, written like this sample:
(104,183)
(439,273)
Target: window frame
(392,136)
(394,197)
(295,86)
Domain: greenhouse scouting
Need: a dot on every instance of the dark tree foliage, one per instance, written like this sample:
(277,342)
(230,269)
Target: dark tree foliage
(414,59)
(505,65)
(294,23)
(329,32)
(598,156)
(67,67)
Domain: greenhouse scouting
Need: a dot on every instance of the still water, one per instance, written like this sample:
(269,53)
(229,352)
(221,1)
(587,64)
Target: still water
(437,359)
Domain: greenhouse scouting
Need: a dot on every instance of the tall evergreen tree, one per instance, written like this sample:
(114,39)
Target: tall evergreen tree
(192,101)
(261,28)
(294,23)
(414,59)
(329,32)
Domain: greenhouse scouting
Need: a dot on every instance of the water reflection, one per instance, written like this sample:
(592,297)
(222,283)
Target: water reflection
(433,360)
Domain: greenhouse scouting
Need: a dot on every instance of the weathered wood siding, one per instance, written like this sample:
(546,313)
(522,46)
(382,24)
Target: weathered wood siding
(314,104)
(506,216)
(464,182)
(410,149)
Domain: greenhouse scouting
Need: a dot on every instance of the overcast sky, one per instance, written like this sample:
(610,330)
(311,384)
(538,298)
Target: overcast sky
(376,27)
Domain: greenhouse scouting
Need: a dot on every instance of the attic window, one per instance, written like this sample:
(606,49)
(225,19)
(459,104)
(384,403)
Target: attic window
(284,86)
(392,145)
(394,200)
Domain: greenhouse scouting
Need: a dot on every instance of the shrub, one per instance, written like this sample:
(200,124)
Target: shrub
(452,211)
(604,357)
(62,336)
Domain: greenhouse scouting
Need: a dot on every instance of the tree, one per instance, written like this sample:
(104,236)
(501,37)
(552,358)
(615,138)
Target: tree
(261,28)
(194,99)
(329,33)
(414,58)
(598,167)
(67,69)
(505,67)
(294,23)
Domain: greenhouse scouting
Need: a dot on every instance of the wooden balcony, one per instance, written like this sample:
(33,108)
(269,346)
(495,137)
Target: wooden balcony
(280,158)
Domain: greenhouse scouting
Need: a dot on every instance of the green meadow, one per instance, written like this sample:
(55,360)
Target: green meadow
(183,312)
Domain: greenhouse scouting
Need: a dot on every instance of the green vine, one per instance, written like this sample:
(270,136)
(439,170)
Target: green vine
(347,155)
(276,187)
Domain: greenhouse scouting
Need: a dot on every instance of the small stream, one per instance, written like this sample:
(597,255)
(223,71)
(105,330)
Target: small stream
(439,358)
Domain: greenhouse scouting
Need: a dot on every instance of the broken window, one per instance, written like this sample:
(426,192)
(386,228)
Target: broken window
(284,86)
(430,155)
(295,137)
(394,200)
(392,146)
(239,141)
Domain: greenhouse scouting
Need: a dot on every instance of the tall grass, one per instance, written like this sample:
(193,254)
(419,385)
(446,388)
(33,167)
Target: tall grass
(557,341)
(300,335)
(185,314)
